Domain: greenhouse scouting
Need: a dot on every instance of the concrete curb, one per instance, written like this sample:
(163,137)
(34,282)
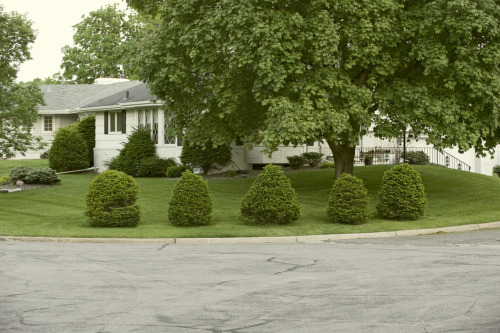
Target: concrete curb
(258,240)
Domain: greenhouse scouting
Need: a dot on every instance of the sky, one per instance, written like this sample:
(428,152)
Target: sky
(54,20)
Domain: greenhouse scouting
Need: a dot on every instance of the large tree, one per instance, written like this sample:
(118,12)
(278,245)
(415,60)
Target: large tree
(18,102)
(289,71)
(102,42)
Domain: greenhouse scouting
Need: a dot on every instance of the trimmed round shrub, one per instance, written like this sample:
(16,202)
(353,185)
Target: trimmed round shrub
(20,173)
(313,158)
(207,158)
(271,199)
(402,194)
(176,171)
(296,161)
(44,176)
(417,158)
(68,151)
(348,201)
(111,200)
(327,165)
(191,202)
(138,146)
(154,166)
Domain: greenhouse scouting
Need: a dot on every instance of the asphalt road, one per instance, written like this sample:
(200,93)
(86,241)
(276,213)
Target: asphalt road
(435,283)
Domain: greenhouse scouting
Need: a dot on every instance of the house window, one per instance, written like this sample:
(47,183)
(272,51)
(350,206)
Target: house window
(25,128)
(168,136)
(149,119)
(115,122)
(47,123)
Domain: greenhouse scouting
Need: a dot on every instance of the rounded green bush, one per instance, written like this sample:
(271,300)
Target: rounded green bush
(86,127)
(46,176)
(20,173)
(271,199)
(206,157)
(348,201)
(313,158)
(154,166)
(327,165)
(417,157)
(296,161)
(176,171)
(111,200)
(68,151)
(191,202)
(402,194)
(138,146)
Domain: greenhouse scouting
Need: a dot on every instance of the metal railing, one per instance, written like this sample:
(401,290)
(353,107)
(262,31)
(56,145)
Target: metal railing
(395,155)
(383,155)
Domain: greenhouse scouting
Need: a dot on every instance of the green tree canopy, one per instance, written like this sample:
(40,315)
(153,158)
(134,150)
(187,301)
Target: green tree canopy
(102,41)
(18,102)
(289,72)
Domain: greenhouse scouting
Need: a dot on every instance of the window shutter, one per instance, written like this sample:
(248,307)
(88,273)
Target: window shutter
(106,122)
(124,121)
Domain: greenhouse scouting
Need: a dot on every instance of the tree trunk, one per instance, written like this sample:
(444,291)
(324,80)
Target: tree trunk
(343,156)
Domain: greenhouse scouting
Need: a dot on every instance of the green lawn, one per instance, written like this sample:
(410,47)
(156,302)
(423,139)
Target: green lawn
(455,198)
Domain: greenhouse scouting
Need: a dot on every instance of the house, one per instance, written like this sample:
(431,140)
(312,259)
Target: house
(121,105)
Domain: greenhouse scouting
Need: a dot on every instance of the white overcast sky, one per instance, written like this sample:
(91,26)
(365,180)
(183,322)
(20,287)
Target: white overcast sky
(54,20)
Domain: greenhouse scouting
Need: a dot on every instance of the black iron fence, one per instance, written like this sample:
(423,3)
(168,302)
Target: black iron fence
(414,155)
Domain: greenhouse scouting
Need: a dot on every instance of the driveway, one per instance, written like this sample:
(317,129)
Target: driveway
(435,283)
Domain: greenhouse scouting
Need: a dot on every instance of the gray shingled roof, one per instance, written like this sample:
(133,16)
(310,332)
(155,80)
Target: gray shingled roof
(139,93)
(75,96)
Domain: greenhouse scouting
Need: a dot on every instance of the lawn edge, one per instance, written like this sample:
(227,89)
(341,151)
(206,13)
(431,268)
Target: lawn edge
(259,240)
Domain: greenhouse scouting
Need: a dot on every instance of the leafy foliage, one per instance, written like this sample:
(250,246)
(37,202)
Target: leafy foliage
(417,158)
(4,180)
(19,102)
(111,200)
(348,201)
(176,171)
(280,72)
(45,176)
(68,150)
(101,42)
(154,166)
(191,202)
(86,127)
(313,158)
(271,199)
(20,173)
(138,146)
(296,161)
(327,165)
(206,157)
(402,194)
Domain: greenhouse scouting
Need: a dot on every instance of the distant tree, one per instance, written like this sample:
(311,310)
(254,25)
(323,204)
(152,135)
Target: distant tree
(102,41)
(290,72)
(19,102)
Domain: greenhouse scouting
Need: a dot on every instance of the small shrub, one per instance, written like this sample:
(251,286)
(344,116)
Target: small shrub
(207,158)
(154,166)
(86,127)
(138,146)
(496,169)
(20,173)
(191,202)
(176,171)
(4,180)
(296,161)
(402,194)
(327,165)
(417,158)
(313,158)
(45,176)
(111,200)
(271,199)
(44,155)
(231,173)
(68,151)
(348,201)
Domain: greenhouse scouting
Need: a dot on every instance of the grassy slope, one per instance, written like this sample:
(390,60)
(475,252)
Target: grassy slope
(455,198)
